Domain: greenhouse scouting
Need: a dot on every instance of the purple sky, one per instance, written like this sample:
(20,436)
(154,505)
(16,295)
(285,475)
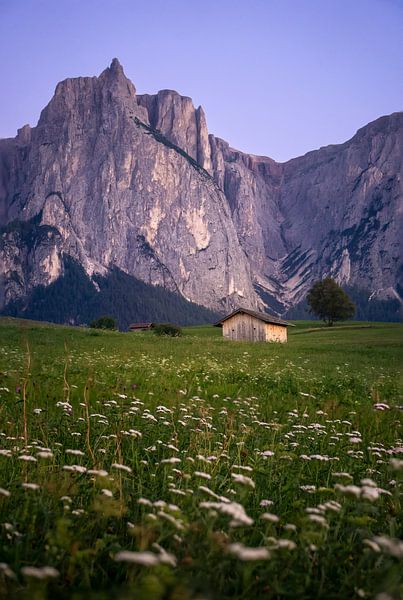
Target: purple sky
(275,77)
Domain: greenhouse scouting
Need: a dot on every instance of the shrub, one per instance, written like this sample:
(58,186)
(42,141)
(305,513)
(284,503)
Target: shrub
(167,329)
(104,322)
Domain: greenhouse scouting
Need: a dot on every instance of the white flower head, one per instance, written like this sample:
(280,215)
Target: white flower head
(248,554)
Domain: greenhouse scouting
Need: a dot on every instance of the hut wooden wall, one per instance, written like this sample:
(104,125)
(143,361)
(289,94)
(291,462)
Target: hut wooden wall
(246,327)
(275,333)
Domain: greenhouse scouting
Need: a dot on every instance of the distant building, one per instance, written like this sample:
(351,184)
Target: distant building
(141,326)
(247,325)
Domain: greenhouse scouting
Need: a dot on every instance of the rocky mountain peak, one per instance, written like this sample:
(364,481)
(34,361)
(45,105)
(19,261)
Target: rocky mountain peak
(180,122)
(115,78)
(116,67)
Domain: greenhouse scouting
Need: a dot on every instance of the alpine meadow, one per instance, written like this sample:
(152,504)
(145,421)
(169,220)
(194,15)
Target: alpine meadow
(138,466)
(201,300)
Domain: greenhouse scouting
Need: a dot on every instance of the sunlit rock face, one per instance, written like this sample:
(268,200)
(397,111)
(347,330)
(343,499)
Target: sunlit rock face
(119,195)
(112,178)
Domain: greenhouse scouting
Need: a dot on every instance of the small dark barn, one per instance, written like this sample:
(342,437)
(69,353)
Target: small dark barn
(141,326)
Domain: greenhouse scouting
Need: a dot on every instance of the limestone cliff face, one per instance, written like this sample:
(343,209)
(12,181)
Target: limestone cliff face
(336,211)
(119,194)
(351,196)
(113,178)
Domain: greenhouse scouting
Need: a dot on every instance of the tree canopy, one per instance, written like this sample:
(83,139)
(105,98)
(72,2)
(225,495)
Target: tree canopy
(167,329)
(329,301)
(104,322)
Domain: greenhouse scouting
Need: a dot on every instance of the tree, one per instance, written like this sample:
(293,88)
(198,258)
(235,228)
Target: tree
(104,323)
(329,301)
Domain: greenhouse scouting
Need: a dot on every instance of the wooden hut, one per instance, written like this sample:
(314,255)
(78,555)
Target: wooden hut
(141,326)
(244,324)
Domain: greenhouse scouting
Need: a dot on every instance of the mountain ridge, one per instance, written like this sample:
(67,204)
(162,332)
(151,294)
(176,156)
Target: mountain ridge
(122,179)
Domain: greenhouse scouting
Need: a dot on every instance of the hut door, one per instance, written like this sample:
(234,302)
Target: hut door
(261,332)
(232,332)
(258,334)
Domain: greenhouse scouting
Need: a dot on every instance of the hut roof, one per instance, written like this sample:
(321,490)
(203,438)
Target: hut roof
(141,325)
(261,316)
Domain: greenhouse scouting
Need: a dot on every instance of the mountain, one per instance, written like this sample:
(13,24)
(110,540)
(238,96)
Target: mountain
(116,180)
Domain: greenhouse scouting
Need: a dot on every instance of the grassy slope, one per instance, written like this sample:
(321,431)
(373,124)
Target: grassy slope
(342,371)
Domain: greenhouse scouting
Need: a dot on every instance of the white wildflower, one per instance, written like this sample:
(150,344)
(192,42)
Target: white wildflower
(202,475)
(207,490)
(313,511)
(170,461)
(135,433)
(243,480)
(7,572)
(320,520)
(371,544)
(320,457)
(40,572)
(30,486)
(144,502)
(266,453)
(330,505)
(396,463)
(270,517)
(285,544)
(121,467)
(27,458)
(343,475)
(391,546)
(148,559)
(165,557)
(244,553)
(177,492)
(236,511)
(264,503)
(97,472)
(74,452)
(44,454)
(308,488)
(75,468)
(175,522)
(381,406)
(352,490)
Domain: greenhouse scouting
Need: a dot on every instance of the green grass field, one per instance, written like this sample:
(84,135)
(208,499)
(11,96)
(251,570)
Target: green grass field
(140,467)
